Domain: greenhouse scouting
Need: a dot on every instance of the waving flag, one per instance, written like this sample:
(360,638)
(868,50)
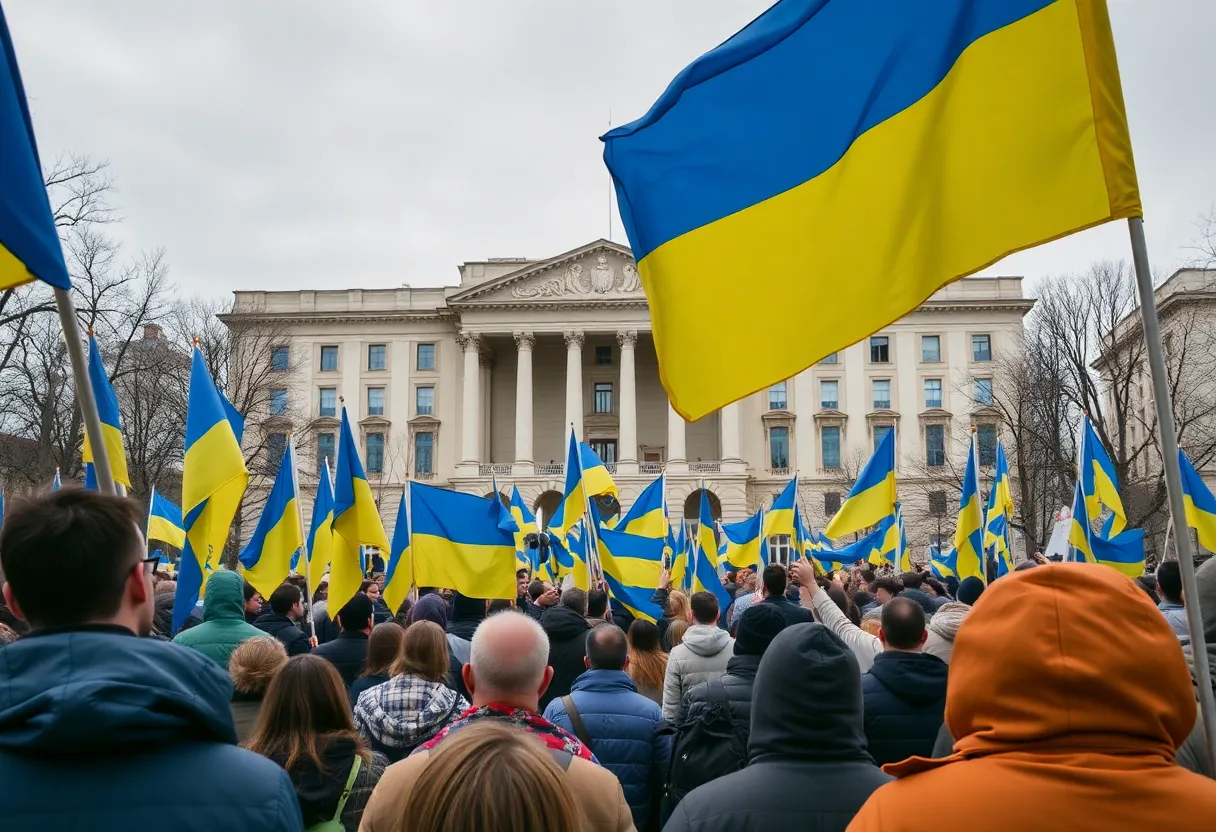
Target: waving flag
(779,519)
(463,542)
(872,497)
(165,521)
(267,557)
(356,520)
(631,565)
(574,498)
(320,531)
(903,144)
(526,520)
(998,514)
(969,533)
(1200,504)
(596,479)
(111,421)
(400,570)
(743,543)
(1125,552)
(648,514)
(1099,483)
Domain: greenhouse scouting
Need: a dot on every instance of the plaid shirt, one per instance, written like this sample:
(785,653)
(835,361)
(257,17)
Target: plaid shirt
(405,710)
(541,728)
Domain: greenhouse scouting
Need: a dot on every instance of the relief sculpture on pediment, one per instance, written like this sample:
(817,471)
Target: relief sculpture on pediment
(579,281)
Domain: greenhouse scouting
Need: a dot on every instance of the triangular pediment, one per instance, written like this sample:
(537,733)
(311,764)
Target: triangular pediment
(602,270)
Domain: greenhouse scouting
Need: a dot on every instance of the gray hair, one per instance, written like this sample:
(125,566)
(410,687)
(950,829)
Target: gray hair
(513,661)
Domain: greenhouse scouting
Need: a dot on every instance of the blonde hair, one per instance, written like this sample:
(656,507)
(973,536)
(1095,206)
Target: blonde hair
(254,663)
(647,661)
(871,625)
(678,606)
(424,652)
(675,632)
(491,776)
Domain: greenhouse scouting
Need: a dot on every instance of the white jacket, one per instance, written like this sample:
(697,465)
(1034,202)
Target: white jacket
(864,646)
(701,656)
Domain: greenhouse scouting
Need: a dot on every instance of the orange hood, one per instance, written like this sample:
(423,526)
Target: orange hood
(1067,657)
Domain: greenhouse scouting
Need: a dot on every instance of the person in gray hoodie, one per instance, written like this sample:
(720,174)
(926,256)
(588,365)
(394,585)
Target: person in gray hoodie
(702,655)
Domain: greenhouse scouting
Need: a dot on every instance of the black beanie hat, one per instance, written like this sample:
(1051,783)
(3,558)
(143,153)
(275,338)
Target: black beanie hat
(759,625)
(970,590)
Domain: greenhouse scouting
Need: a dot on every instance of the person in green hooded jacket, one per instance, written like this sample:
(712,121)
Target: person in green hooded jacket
(224,625)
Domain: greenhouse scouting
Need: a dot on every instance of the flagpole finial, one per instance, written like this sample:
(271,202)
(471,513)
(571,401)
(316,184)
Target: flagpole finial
(196,342)
(342,399)
(89,328)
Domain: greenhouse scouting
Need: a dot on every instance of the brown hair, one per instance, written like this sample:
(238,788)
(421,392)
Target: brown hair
(424,652)
(254,663)
(675,632)
(383,649)
(70,544)
(678,606)
(647,661)
(491,776)
(304,709)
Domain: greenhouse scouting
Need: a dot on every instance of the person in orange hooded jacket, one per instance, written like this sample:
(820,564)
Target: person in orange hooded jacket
(1069,695)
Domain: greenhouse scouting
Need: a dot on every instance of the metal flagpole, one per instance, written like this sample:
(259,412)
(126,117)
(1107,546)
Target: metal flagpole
(84,391)
(148,522)
(1173,478)
(304,553)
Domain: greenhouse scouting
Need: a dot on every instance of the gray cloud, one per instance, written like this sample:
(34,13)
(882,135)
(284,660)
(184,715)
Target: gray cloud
(313,144)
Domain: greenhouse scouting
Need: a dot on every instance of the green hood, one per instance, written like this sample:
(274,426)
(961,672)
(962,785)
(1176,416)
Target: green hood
(225,597)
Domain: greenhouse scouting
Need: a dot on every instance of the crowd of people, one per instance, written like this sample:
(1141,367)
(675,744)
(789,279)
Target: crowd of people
(1062,696)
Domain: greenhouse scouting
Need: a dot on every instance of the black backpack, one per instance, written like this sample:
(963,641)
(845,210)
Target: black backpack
(706,748)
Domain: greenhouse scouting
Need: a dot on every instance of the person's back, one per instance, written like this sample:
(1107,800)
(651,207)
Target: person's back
(905,689)
(701,656)
(224,625)
(566,626)
(776,582)
(757,629)
(807,762)
(348,651)
(507,673)
(253,665)
(1169,587)
(280,617)
(90,713)
(1073,724)
(619,723)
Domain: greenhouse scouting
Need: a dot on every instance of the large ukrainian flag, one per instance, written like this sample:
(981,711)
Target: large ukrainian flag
(400,573)
(213,481)
(574,499)
(356,521)
(969,533)
(648,514)
(29,241)
(596,479)
(631,566)
(905,144)
(779,519)
(743,543)
(872,497)
(267,557)
(1200,504)
(526,520)
(463,542)
(1099,482)
(111,420)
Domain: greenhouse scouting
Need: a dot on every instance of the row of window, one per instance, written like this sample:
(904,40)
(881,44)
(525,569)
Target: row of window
(829,445)
(930,349)
(327,401)
(424,452)
(829,394)
(377,358)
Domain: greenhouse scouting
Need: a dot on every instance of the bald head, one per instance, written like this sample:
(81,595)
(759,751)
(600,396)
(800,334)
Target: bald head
(509,662)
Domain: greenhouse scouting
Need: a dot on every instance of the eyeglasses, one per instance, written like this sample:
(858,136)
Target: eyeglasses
(150,562)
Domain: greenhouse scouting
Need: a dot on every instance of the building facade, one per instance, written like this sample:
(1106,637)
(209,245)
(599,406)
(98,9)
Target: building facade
(480,382)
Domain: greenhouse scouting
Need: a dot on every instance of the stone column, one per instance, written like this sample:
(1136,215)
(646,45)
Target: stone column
(732,456)
(574,385)
(676,451)
(524,341)
(627,454)
(470,425)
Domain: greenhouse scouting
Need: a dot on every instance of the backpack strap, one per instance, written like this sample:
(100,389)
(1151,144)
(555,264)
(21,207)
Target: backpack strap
(716,692)
(350,784)
(576,720)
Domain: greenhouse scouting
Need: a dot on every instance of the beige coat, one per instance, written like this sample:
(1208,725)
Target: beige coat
(597,792)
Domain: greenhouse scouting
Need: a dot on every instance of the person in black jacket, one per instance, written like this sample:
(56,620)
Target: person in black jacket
(467,613)
(286,609)
(348,651)
(567,628)
(807,763)
(905,690)
(775,579)
(758,626)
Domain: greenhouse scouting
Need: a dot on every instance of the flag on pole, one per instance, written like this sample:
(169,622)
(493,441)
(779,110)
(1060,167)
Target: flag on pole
(903,144)
(400,575)
(463,542)
(779,519)
(872,497)
(648,514)
(742,543)
(56,483)
(1099,483)
(998,513)
(213,481)
(1200,504)
(1125,552)
(165,521)
(111,420)
(969,533)
(356,521)
(574,498)
(526,520)
(596,479)
(29,240)
(320,533)
(266,558)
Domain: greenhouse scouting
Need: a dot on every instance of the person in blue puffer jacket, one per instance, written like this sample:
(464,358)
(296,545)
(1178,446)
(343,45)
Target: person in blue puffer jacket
(617,723)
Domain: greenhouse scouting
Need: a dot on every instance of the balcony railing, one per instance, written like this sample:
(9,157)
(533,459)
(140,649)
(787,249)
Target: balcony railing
(780,472)
(424,476)
(550,469)
(610,467)
(650,468)
(702,467)
(494,470)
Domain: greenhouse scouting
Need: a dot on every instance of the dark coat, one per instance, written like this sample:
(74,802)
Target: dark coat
(621,617)
(285,630)
(467,613)
(318,790)
(621,724)
(347,652)
(794,613)
(567,631)
(905,696)
(807,766)
(737,683)
(380,611)
(92,719)
(365,683)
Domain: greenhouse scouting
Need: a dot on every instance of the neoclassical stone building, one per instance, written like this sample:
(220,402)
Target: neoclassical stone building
(467,384)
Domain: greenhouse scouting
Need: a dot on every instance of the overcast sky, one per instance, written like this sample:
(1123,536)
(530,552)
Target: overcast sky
(322,144)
